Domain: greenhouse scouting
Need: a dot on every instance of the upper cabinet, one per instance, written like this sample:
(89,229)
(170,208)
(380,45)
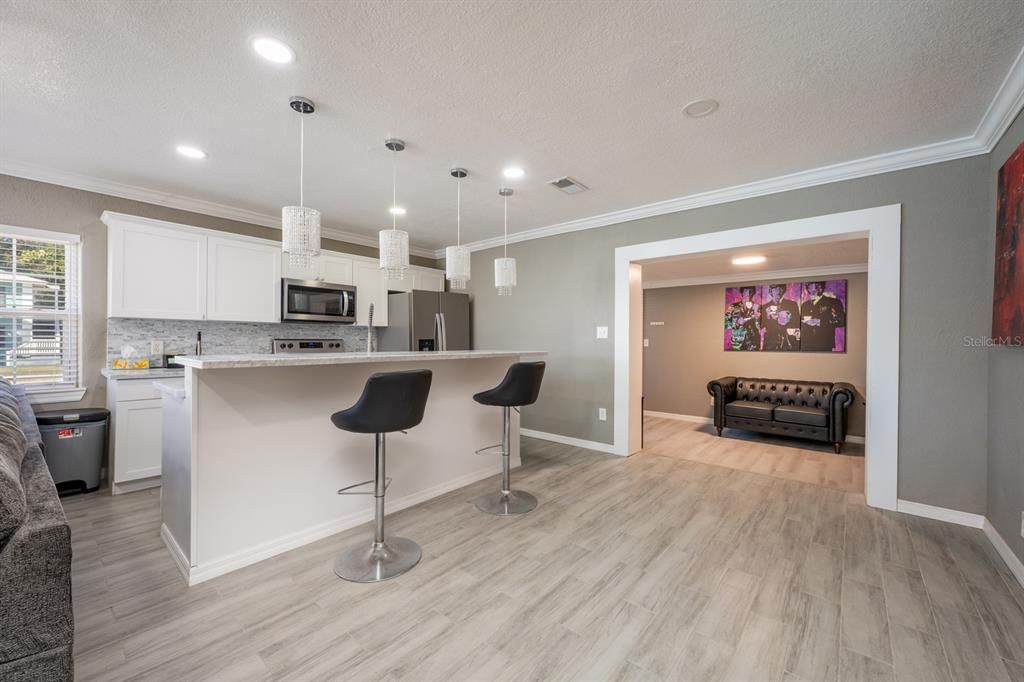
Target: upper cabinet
(329,266)
(153,271)
(419,278)
(243,280)
(370,290)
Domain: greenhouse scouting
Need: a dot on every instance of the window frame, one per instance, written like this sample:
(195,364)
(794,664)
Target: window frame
(68,393)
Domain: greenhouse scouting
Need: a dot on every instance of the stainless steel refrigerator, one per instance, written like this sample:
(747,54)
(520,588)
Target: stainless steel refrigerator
(426,320)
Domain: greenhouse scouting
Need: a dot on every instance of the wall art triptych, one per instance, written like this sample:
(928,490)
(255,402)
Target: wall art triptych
(787,317)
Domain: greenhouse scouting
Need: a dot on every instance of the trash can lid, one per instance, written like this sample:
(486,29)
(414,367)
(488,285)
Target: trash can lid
(88,414)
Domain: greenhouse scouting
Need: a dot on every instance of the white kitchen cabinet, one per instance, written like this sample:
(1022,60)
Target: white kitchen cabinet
(135,443)
(154,271)
(243,280)
(427,279)
(311,272)
(370,288)
(336,268)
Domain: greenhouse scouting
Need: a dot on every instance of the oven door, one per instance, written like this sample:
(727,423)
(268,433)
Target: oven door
(313,301)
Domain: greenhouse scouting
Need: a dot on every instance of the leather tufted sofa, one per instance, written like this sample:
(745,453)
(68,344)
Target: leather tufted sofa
(785,407)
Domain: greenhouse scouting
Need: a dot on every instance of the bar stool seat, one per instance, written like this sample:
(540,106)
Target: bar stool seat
(520,387)
(391,401)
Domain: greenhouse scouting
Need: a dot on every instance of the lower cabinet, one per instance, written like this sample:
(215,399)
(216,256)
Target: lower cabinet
(136,436)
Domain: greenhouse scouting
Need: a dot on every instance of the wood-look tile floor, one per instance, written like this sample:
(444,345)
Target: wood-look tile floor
(646,568)
(790,458)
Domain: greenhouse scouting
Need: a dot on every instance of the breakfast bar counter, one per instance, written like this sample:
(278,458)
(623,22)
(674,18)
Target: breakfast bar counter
(252,463)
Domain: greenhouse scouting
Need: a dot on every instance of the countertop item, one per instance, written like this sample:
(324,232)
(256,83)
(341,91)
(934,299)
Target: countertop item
(298,360)
(152,373)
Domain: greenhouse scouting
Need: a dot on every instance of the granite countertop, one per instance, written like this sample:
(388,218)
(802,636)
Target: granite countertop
(312,359)
(151,373)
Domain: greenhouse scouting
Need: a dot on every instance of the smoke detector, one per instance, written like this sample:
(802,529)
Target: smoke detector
(568,185)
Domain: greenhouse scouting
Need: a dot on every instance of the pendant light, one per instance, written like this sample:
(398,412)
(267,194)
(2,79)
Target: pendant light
(456,258)
(505,267)
(394,243)
(300,225)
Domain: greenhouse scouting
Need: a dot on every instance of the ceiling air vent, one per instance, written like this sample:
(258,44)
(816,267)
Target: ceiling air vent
(568,185)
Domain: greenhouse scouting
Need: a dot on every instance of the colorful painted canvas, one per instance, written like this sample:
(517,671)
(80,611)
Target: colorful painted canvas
(780,316)
(823,316)
(743,318)
(1008,293)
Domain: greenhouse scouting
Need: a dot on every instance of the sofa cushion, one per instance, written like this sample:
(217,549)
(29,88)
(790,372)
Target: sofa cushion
(12,496)
(751,409)
(798,414)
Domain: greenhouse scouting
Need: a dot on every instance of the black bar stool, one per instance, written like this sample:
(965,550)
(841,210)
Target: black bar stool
(391,401)
(520,386)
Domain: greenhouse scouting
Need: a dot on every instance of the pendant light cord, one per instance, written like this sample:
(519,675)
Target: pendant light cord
(302,159)
(394,189)
(506,227)
(458,214)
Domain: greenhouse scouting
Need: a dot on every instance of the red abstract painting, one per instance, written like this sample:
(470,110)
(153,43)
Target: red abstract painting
(1008,295)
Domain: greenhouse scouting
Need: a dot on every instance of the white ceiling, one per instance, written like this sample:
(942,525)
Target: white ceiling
(589,89)
(782,259)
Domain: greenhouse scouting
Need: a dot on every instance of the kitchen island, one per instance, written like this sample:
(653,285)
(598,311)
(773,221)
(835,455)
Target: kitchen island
(251,461)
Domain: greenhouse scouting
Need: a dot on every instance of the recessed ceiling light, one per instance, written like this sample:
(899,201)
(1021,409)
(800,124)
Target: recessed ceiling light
(273,50)
(701,108)
(396,210)
(191,152)
(748,260)
(513,172)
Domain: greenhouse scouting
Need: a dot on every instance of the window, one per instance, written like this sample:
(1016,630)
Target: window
(39,313)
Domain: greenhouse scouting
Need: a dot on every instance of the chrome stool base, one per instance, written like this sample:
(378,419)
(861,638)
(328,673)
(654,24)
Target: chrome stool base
(374,562)
(506,504)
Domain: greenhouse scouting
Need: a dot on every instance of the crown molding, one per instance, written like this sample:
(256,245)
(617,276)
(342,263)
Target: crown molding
(755,277)
(1002,110)
(177,201)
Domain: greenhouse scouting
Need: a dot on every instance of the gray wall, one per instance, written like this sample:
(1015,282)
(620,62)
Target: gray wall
(1005,394)
(25,203)
(566,288)
(686,352)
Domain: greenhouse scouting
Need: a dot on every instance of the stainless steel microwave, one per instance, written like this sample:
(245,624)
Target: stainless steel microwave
(313,301)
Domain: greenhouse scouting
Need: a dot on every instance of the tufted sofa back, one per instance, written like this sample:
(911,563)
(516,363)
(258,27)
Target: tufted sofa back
(784,392)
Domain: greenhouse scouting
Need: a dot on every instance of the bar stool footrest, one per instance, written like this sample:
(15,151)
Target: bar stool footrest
(491,450)
(346,489)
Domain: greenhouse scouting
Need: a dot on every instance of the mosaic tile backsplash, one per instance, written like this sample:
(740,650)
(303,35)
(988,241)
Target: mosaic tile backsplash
(179,336)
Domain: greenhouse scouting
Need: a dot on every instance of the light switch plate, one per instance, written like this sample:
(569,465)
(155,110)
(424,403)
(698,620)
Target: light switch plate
(602,332)
(602,414)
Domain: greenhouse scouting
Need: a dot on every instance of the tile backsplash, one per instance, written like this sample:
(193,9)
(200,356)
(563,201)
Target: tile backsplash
(179,336)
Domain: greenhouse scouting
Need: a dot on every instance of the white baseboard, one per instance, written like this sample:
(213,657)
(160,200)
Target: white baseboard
(567,440)
(709,420)
(175,549)
(198,574)
(679,417)
(940,514)
(134,486)
(1012,561)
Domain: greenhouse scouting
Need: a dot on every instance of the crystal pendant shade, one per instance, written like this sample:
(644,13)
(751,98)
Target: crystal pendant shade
(300,227)
(394,253)
(457,266)
(504,275)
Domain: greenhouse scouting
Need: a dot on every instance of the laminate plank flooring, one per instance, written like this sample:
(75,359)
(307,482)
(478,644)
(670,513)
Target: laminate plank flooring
(653,567)
(776,456)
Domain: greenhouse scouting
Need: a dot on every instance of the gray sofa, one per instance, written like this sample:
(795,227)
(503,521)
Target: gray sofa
(36,623)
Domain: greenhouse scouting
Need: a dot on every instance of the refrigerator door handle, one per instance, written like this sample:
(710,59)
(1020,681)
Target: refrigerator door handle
(444,332)
(437,331)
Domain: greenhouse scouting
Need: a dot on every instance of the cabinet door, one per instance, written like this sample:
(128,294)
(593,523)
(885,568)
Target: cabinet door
(370,288)
(290,271)
(244,282)
(155,272)
(427,280)
(336,269)
(137,440)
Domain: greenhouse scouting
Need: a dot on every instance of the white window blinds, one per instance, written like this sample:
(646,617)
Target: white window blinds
(39,311)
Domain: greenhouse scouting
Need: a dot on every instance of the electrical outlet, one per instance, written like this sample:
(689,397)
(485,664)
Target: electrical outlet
(711,399)
(647,342)
(602,332)
(156,347)
(1022,524)
(602,414)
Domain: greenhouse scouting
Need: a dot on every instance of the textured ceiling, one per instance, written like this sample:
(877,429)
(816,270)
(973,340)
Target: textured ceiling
(588,89)
(779,257)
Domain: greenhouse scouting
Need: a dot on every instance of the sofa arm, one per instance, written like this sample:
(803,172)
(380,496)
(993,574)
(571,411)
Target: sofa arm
(842,397)
(723,391)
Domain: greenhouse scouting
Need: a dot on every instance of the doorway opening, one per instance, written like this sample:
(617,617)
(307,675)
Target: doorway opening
(880,230)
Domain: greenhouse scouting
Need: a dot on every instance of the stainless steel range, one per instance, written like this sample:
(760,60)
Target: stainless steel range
(308,346)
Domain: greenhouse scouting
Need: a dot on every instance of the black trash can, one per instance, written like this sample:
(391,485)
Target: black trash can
(74,446)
